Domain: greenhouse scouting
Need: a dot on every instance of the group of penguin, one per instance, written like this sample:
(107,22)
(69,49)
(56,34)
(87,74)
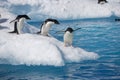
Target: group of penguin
(44,29)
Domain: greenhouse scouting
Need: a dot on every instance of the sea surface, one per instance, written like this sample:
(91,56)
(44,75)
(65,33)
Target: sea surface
(100,35)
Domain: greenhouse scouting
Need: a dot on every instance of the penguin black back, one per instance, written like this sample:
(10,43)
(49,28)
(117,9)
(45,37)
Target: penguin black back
(99,1)
(22,16)
(52,20)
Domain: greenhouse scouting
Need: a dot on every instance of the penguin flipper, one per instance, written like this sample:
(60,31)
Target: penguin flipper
(40,29)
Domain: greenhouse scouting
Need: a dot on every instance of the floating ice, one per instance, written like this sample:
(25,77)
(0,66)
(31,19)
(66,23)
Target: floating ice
(33,49)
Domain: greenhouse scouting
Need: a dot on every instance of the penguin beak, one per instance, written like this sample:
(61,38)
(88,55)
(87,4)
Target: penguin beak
(28,18)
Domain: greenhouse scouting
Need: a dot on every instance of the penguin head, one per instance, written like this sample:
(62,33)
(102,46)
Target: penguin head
(26,17)
(51,21)
(69,29)
(23,16)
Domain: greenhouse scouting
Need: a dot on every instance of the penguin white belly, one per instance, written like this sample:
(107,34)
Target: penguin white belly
(45,30)
(20,25)
(68,38)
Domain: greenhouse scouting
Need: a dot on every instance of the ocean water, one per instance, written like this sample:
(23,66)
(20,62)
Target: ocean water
(100,35)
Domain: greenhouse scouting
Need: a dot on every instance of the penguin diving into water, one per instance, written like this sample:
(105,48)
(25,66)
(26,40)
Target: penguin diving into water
(18,23)
(45,27)
(68,36)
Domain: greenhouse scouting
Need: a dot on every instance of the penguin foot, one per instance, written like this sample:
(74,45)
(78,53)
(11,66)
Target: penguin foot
(39,32)
(13,32)
(68,45)
(65,45)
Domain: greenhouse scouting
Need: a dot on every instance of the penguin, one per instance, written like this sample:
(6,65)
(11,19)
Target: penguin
(18,23)
(102,1)
(45,27)
(68,36)
(117,19)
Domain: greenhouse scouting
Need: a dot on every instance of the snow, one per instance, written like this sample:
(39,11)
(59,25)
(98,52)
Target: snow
(63,9)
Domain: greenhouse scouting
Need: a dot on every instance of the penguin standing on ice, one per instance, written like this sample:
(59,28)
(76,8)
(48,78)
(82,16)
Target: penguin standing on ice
(68,36)
(18,23)
(45,27)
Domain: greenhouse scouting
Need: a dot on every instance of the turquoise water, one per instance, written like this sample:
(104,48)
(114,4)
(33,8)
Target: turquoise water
(97,35)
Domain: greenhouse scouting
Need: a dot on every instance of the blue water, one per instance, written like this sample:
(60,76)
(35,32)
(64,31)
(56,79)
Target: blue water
(97,35)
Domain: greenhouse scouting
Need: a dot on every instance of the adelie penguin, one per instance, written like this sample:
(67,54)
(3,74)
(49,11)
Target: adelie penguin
(102,1)
(117,19)
(18,23)
(68,36)
(45,27)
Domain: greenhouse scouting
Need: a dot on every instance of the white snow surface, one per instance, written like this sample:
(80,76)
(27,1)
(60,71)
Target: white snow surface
(32,49)
(62,9)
